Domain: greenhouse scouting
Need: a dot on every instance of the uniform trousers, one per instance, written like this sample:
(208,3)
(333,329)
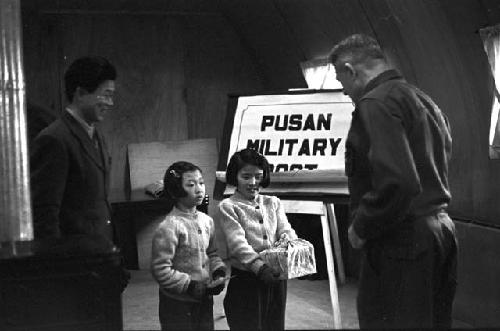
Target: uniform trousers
(250,304)
(408,278)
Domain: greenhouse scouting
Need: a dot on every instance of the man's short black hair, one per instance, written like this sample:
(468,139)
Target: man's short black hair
(172,181)
(247,156)
(88,73)
(356,48)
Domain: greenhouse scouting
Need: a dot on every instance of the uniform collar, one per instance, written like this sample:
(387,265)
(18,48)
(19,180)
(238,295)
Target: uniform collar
(382,78)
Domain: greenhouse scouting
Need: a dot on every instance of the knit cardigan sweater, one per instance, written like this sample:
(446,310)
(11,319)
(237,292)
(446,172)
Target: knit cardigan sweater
(183,249)
(251,227)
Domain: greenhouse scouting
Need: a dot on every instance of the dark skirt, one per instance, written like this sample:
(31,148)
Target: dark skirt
(184,315)
(250,304)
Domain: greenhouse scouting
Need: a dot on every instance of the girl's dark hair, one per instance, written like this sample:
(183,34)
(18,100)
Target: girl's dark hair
(245,157)
(88,73)
(172,181)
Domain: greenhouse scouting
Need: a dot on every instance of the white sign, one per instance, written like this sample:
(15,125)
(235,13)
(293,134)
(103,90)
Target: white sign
(294,131)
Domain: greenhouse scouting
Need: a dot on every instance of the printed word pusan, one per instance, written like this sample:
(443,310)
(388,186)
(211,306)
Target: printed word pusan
(296,122)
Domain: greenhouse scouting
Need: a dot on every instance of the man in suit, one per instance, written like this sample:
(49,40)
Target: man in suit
(69,159)
(38,118)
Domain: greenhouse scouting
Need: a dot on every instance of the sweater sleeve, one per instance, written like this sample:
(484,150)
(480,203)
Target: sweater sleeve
(214,258)
(395,180)
(283,226)
(237,243)
(165,241)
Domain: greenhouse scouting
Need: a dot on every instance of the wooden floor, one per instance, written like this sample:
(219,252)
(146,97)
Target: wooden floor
(308,305)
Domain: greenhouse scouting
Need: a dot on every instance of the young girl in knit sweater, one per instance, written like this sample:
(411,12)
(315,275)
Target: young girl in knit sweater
(184,258)
(252,222)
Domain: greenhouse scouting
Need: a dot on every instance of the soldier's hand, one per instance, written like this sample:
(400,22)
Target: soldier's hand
(354,239)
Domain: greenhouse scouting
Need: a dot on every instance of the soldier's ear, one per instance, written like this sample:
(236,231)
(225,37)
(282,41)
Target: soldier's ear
(350,69)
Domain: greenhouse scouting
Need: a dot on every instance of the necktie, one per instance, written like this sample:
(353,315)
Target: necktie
(95,140)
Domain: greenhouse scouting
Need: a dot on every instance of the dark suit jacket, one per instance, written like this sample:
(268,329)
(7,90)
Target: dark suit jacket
(69,182)
(38,119)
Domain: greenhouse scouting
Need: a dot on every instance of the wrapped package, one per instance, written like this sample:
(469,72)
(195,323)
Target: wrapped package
(294,258)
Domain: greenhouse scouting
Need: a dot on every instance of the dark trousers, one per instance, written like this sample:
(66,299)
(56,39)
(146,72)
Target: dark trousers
(250,304)
(183,315)
(409,280)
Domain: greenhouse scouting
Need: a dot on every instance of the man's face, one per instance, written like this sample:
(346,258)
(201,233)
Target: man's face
(347,76)
(344,76)
(96,104)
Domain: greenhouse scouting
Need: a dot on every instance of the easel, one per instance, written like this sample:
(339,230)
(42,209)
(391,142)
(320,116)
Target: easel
(329,226)
(285,185)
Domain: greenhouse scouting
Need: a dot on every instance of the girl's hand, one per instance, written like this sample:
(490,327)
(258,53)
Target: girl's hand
(197,289)
(220,272)
(268,275)
(282,241)
(284,237)
(216,286)
(216,282)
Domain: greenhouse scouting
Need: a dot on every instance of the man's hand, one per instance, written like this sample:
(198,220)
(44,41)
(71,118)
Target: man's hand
(354,239)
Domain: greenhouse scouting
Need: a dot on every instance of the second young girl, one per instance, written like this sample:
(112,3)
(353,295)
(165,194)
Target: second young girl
(184,258)
(252,222)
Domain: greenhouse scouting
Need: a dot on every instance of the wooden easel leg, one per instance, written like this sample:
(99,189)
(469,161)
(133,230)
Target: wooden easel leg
(337,324)
(336,241)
